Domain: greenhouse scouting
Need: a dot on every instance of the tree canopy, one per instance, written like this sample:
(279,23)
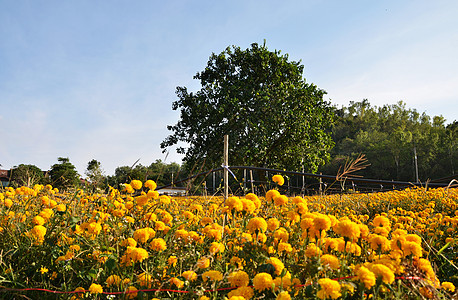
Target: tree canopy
(390,136)
(26,175)
(64,175)
(261,100)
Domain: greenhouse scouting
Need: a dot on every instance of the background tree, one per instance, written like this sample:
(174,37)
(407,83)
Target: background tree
(389,136)
(260,99)
(64,175)
(95,174)
(26,175)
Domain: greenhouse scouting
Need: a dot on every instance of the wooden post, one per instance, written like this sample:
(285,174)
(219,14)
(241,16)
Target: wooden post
(226,165)
(251,180)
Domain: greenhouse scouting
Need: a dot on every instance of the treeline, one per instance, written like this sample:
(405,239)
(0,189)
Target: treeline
(398,142)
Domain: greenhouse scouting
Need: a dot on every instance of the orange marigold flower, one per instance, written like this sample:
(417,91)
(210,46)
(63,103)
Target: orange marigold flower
(189,275)
(136,184)
(330,260)
(278,265)
(158,245)
(278,179)
(212,275)
(257,224)
(366,276)
(238,279)
(271,194)
(280,200)
(95,289)
(150,184)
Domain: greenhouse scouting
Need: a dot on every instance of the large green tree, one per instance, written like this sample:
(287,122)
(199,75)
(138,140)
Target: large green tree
(26,175)
(63,174)
(261,100)
(95,174)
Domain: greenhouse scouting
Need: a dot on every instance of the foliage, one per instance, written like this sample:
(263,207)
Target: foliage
(63,174)
(95,174)
(260,99)
(390,136)
(158,171)
(394,245)
(26,175)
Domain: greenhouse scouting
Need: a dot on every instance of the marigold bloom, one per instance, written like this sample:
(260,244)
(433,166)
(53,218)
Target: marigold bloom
(284,295)
(312,250)
(273,224)
(448,286)
(177,282)
(172,260)
(382,271)
(203,263)
(113,280)
(38,220)
(262,281)
(257,224)
(189,275)
(158,244)
(234,203)
(278,179)
(131,292)
(284,247)
(329,288)
(330,260)
(349,229)
(322,222)
(271,194)
(216,247)
(95,289)
(366,276)
(212,275)
(412,248)
(136,184)
(280,200)
(244,291)
(379,242)
(278,265)
(150,184)
(238,279)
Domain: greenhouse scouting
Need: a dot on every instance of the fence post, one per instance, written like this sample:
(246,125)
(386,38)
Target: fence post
(226,166)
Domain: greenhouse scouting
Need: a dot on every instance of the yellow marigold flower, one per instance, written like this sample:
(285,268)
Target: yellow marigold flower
(244,291)
(273,224)
(262,281)
(39,231)
(329,288)
(129,242)
(281,234)
(61,207)
(412,248)
(150,184)
(177,282)
(279,266)
(284,295)
(381,221)
(152,194)
(271,194)
(203,263)
(212,275)
(128,188)
(448,286)
(138,254)
(321,222)
(366,276)
(113,280)
(189,275)
(216,247)
(95,289)
(234,203)
(280,200)
(181,234)
(141,200)
(43,270)
(172,260)
(238,279)
(257,224)
(144,279)
(349,229)
(312,250)
(248,206)
(204,298)
(278,179)
(38,220)
(379,242)
(254,198)
(330,260)
(142,235)
(136,184)
(413,238)
(382,271)
(131,292)
(284,247)
(158,245)
(164,199)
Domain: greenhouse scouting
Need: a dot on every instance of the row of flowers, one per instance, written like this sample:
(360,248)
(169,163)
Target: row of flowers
(392,245)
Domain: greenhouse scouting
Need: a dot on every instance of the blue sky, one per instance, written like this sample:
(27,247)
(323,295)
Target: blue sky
(96,79)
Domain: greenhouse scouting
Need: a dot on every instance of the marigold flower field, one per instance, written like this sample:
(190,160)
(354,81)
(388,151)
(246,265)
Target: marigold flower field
(134,244)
